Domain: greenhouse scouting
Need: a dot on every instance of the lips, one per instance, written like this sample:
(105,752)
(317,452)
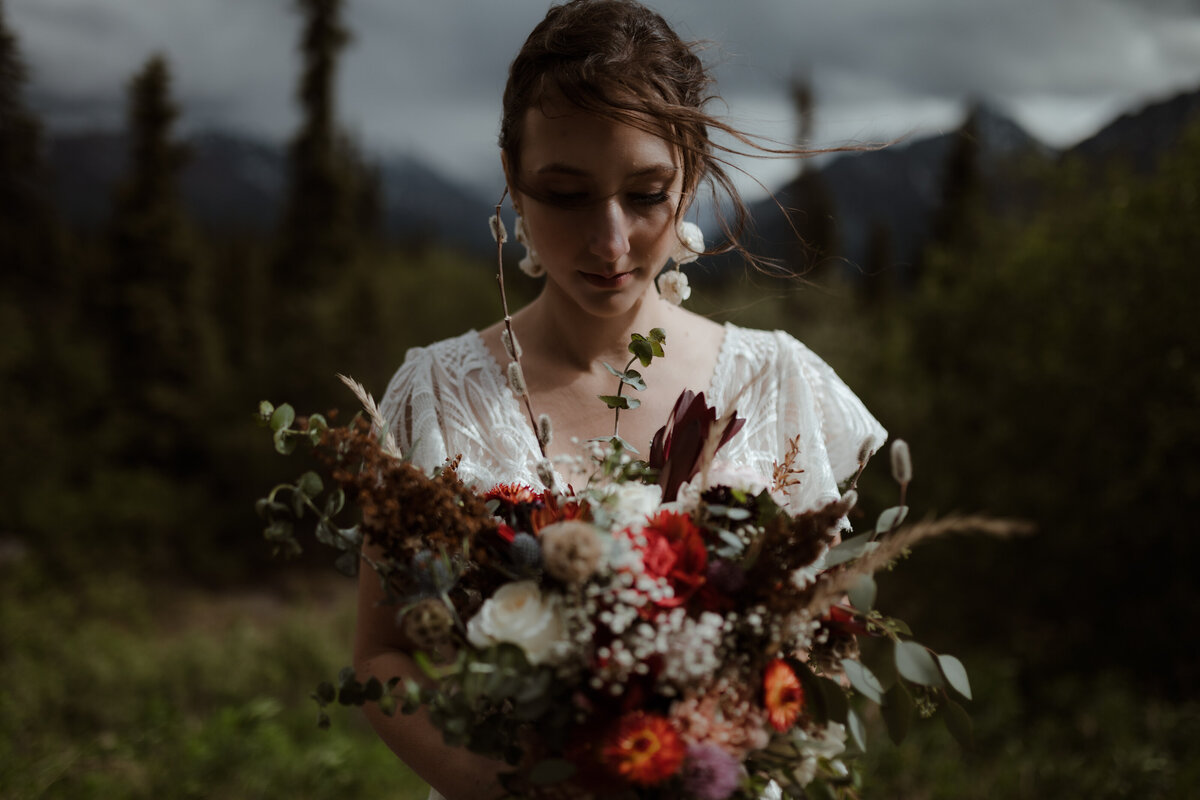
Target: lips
(618,281)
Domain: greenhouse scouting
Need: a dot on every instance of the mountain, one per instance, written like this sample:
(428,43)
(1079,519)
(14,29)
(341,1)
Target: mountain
(895,190)
(1139,137)
(236,184)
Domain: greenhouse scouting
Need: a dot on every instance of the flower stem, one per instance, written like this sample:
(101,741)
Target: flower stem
(620,392)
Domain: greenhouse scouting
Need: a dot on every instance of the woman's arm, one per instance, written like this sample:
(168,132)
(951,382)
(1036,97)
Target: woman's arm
(454,771)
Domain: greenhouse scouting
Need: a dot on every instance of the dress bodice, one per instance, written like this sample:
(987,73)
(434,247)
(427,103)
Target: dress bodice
(451,398)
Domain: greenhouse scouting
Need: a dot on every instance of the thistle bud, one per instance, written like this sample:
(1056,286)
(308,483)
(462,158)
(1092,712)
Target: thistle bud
(499,233)
(544,430)
(511,345)
(901,462)
(525,550)
(516,379)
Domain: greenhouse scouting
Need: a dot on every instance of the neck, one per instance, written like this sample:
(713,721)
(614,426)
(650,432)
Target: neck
(582,341)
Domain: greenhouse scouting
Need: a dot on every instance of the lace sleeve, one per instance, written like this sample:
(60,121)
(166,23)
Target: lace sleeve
(847,427)
(410,407)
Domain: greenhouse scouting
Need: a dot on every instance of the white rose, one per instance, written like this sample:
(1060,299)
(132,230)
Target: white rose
(518,613)
(628,504)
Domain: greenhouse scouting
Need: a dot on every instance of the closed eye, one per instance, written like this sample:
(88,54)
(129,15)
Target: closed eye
(648,199)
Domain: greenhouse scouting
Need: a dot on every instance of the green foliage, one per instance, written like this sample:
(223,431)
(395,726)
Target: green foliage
(1052,370)
(126,690)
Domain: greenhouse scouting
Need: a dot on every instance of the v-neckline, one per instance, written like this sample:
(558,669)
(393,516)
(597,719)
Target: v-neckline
(517,412)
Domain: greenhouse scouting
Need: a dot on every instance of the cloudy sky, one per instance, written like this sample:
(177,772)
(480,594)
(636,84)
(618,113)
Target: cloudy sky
(425,77)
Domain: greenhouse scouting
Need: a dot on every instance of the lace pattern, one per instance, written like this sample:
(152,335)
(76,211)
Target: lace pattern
(451,398)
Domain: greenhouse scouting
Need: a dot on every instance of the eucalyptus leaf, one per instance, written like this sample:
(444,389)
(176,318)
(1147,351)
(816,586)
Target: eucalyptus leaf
(876,654)
(284,444)
(619,401)
(915,663)
(863,680)
(891,518)
(633,378)
(310,484)
(955,674)
(848,550)
(335,501)
(731,539)
(325,693)
(862,593)
(265,410)
(642,349)
(858,731)
(658,335)
(282,417)
(958,722)
(897,712)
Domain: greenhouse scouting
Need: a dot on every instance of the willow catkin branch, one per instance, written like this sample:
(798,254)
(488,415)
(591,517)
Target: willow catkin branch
(373,413)
(501,236)
(832,585)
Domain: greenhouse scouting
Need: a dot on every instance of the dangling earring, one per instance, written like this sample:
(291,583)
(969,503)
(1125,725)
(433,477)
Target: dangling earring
(531,265)
(673,285)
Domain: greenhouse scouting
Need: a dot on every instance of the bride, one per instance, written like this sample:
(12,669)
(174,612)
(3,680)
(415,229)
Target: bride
(604,145)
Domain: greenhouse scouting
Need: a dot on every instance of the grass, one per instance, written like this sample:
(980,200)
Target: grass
(115,688)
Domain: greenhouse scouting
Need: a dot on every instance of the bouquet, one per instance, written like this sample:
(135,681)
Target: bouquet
(666,626)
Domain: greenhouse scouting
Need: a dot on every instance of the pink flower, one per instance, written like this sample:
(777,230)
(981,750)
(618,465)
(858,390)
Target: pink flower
(709,773)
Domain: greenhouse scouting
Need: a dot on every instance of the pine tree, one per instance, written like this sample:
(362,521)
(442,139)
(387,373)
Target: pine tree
(28,234)
(153,287)
(812,212)
(332,196)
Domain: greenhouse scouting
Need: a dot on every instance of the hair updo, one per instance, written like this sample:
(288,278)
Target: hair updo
(622,61)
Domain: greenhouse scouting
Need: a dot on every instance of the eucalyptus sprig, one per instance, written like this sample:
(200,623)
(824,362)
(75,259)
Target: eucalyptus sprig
(644,349)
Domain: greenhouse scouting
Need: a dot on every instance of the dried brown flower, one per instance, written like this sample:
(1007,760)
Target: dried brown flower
(571,551)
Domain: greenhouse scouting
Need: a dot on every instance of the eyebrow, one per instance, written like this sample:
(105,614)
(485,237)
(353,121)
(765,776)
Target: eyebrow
(565,169)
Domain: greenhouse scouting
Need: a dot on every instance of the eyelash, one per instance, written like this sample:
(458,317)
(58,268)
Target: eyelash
(581,199)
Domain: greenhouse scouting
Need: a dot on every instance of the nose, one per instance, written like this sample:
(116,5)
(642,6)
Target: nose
(609,237)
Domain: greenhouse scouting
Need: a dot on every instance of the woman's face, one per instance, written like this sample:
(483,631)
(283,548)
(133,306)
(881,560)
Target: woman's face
(599,206)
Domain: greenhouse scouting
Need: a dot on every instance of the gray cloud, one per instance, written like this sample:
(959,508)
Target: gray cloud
(426,77)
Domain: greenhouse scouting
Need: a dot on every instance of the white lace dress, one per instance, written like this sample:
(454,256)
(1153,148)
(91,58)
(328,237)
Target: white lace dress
(452,398)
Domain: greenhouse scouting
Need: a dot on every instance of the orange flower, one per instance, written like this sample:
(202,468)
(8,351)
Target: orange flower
(511,493)
(783,695)
(552,511)
(644,749)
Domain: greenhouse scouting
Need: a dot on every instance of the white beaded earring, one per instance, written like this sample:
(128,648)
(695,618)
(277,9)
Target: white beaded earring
(531,265)
(673,284)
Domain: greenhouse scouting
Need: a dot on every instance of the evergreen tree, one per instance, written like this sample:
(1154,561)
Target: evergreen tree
(333,198)
(28,233)
(956,220)
(159,353)
(811,208)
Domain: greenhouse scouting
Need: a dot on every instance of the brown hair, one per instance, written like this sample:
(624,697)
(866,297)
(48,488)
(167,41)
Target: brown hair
(620,60)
